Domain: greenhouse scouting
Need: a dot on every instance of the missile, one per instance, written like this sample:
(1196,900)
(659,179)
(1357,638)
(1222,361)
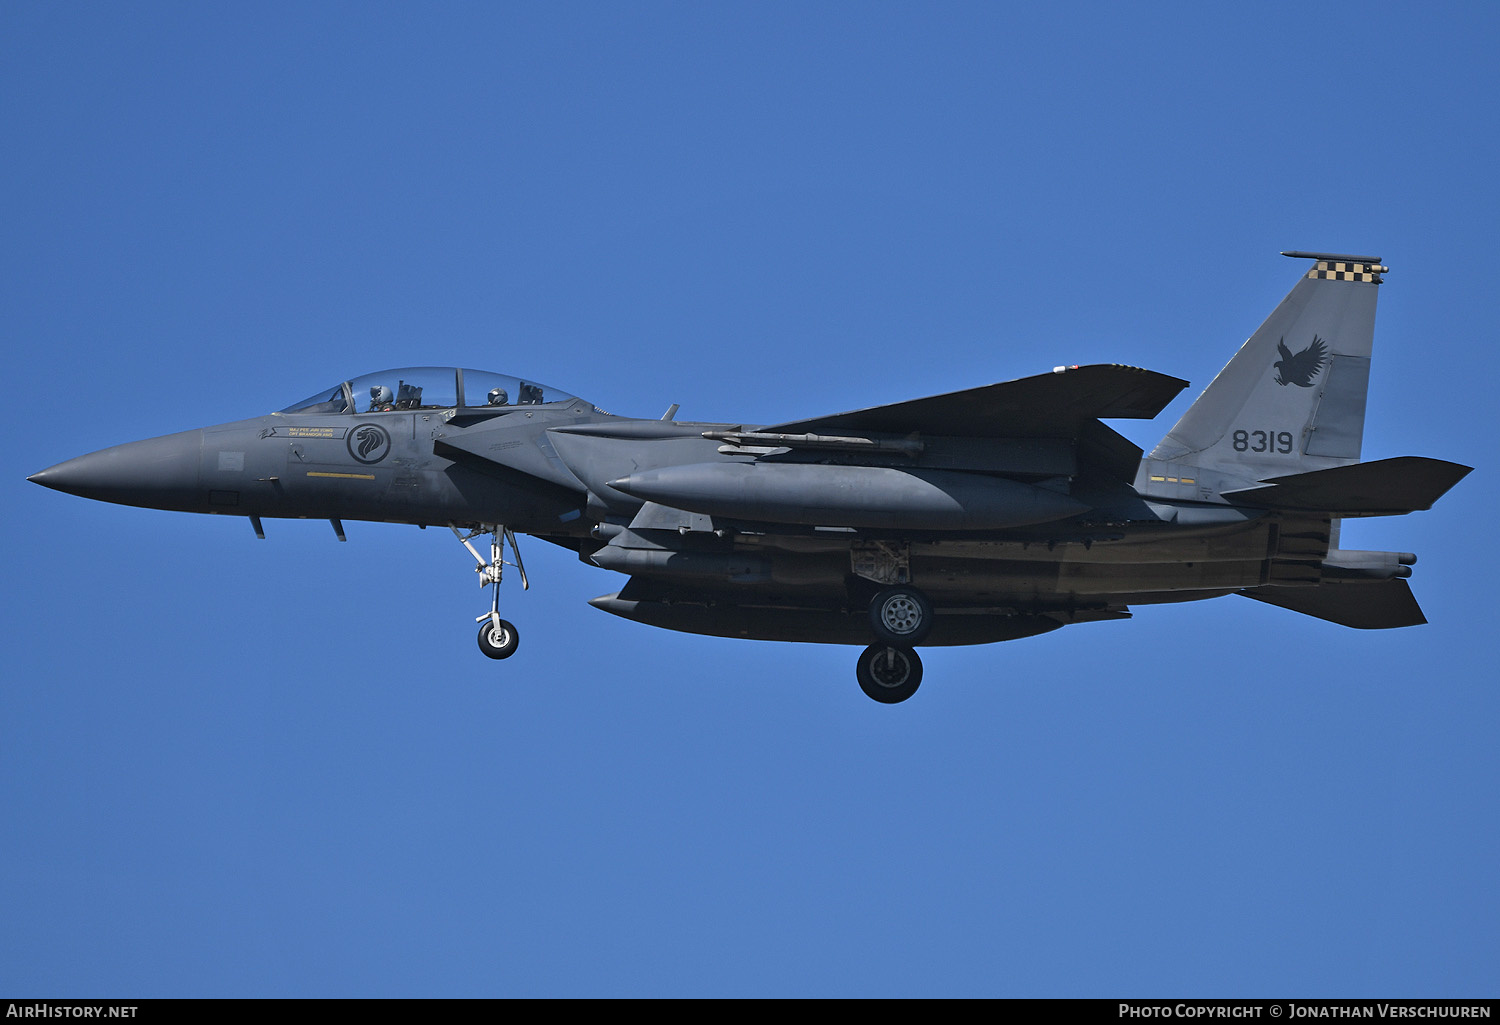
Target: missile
(850,496)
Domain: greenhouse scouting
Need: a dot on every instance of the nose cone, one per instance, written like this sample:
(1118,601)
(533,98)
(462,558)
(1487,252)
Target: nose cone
(159,473)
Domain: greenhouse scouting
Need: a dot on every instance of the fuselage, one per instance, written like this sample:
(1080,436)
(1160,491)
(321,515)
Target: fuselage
(987,514)
(556,470)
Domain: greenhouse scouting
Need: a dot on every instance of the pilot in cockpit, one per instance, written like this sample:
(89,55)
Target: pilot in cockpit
(381,399)
(498,397)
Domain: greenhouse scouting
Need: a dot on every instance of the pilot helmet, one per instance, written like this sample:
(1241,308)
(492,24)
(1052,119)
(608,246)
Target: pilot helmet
(498,397)
(380,395)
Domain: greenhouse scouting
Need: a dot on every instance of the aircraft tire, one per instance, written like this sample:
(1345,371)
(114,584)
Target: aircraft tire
(500,643)
(888,675)
(901,616)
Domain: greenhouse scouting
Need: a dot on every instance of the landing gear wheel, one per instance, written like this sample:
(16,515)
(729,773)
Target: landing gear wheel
(901,616)
(889,675)
(498,643)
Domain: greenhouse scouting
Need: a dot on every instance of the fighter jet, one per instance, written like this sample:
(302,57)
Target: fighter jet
(991,514)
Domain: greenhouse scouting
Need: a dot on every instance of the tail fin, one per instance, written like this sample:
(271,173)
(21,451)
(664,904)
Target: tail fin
(1293,398)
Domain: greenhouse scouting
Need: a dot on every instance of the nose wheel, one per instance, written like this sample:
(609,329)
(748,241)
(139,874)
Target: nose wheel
(498,638)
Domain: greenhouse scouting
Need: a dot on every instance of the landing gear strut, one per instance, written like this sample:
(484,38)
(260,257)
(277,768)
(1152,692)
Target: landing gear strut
(498,638)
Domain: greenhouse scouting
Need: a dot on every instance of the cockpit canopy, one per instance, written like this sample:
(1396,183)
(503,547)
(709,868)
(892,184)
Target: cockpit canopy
(427,388)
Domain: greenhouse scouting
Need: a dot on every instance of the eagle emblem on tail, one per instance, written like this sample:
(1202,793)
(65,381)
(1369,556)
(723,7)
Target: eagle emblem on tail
(1304,366)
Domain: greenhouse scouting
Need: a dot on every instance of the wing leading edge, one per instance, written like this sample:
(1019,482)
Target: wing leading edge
(1059,404)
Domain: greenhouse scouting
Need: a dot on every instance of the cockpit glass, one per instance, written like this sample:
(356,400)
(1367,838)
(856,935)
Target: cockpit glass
(409,388)
(482,388)
(428,388)
(328,401)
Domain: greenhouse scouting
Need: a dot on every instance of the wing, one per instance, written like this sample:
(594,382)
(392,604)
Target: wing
(1066,405)
(1062,404)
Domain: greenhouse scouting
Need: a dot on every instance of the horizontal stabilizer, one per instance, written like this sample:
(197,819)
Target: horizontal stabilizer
(1381,606)
(1383,487)
(1059,404)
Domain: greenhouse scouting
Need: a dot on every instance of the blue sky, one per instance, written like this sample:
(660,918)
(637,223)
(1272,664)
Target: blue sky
(233,767)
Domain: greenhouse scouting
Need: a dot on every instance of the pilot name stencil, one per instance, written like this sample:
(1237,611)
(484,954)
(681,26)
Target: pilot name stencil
(297,431)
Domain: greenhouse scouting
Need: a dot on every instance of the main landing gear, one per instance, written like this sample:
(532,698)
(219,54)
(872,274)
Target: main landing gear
(900,618)
(889,675)
(498,638)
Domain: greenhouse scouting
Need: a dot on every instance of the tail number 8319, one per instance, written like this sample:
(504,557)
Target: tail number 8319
(1263,441)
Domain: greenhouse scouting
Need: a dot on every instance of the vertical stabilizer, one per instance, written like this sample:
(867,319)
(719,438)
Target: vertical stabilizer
(1293,398)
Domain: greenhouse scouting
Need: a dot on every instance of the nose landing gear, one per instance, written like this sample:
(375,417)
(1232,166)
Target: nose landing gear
(498,638)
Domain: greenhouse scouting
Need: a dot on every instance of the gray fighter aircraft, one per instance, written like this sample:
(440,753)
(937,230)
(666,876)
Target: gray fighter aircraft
(982,515)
